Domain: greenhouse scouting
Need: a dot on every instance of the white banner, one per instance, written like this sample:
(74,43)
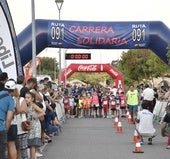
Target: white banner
(7,50)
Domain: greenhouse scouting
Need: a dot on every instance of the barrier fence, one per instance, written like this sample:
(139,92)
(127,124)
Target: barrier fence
(60,111)
(159,110)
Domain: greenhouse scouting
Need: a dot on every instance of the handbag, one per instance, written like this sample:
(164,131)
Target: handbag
(26,125)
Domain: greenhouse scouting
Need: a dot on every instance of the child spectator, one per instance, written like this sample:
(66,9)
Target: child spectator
(34,114)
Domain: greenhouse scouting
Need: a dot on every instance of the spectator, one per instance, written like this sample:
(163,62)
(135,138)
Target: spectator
(6,114)
(165,129)
(148,96)
(20,82)
(114,90)
(22,144)
(3,79)
(144,124)
(50,119)
(34,115)
(12,132)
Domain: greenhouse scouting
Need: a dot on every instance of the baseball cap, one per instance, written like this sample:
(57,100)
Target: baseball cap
(10,85)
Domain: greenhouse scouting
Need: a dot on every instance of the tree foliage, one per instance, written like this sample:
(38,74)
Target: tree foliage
(92,78)
(47,66)
(137,65)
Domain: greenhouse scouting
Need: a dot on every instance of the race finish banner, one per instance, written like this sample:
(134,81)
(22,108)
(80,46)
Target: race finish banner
(98,35)
(9,52)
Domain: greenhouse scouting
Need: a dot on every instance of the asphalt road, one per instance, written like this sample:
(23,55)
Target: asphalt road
(98,139)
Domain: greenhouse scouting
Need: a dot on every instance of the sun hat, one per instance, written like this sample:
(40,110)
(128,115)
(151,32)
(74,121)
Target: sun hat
(10,85)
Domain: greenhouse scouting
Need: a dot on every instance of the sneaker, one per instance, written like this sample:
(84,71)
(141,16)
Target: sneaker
(149,141)
(38,154)
(168,147)
(141,141)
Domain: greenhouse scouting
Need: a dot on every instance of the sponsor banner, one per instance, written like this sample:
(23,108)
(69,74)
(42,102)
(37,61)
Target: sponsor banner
(9,55)
(98,35)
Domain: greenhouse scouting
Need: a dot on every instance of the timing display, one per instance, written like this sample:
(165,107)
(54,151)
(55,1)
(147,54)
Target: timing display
(78,56)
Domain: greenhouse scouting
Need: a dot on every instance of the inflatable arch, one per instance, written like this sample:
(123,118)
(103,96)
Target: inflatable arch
(154,35)
(113,72)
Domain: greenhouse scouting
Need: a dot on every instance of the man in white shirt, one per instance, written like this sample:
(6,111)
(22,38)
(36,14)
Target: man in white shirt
(148,96)
(144,123)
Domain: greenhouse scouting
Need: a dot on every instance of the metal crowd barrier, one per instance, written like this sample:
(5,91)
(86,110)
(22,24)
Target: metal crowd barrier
(60,111)
(159,111)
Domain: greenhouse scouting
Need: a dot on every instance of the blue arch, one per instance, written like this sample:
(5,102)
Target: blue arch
(154,35)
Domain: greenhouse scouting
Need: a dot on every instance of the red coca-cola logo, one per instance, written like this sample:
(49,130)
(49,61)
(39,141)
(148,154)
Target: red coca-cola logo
(87,68)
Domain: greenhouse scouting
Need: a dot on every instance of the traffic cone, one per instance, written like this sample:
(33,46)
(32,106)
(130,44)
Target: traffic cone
(127,115)
(129,119)
(119,127)
(115,122)
(138,148)
(136,137)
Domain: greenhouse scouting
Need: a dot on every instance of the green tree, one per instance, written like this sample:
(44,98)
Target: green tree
(47,66)
(92,78)
(137,65)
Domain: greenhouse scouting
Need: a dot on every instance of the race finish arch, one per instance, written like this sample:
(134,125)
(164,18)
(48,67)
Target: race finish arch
(154,35)
(108,68)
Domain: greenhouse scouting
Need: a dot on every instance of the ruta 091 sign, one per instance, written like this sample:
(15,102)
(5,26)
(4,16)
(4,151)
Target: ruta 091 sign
(78,56)
(95,35)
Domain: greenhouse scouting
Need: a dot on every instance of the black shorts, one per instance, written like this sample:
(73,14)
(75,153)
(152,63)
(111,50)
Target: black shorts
(12,133)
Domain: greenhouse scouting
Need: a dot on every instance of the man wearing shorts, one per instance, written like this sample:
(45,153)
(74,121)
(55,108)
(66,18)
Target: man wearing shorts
(6,115)
(133,101)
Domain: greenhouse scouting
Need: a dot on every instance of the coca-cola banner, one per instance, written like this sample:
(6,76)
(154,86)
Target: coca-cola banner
(113,72)
(98,35)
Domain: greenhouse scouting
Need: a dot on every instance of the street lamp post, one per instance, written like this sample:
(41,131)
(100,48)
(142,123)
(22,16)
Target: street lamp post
(59,4)
(33,39)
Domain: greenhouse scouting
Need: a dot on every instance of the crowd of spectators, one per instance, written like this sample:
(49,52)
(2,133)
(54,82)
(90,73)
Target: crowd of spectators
(36,101)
